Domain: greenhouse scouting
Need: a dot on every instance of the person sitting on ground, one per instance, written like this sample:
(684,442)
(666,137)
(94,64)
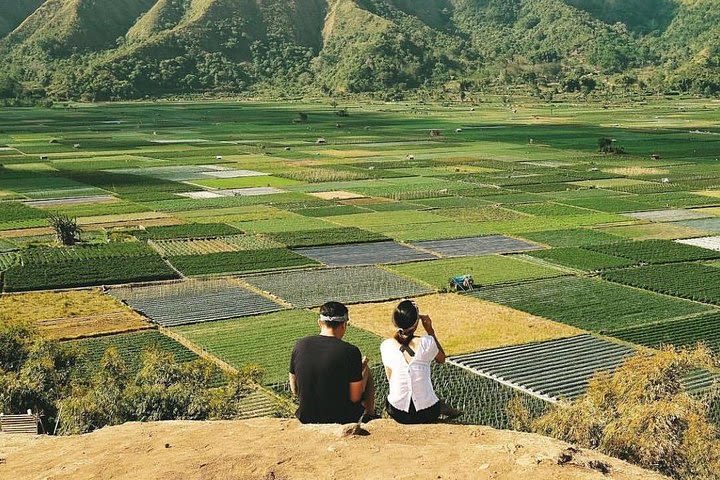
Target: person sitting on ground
(407,360)
(330,377)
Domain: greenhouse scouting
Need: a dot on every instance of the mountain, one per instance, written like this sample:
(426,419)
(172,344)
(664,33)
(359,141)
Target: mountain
(103,49)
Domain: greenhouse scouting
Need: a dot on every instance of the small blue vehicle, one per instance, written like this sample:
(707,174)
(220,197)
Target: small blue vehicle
(462,283)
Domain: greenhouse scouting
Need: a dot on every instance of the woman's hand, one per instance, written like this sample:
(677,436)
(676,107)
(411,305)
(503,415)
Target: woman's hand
(427,324)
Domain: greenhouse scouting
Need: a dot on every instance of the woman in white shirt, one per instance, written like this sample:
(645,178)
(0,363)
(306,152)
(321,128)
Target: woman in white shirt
(407,361)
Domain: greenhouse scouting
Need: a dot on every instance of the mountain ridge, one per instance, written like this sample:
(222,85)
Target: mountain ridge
(102,49)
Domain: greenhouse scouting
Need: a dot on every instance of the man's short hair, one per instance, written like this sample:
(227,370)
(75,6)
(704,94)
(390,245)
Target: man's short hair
(333,314)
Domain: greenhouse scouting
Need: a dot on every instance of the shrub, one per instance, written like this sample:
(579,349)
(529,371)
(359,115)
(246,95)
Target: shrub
(161,390)
(643,414)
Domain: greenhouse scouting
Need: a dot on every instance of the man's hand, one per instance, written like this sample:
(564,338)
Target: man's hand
(427,324)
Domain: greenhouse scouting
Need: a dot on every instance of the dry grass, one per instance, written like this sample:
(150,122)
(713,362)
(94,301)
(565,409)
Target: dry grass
(65,315)
(643,414)
(465,324)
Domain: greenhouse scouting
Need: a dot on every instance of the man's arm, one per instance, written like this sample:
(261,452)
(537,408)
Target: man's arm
(357,388)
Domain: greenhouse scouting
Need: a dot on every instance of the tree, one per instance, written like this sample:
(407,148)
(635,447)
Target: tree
(66,229)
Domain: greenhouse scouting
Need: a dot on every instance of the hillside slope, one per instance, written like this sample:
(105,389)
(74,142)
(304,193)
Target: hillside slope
(283,449)
(105,49)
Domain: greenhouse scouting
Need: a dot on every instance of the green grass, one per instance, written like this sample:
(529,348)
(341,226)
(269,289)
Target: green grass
(486,270)
(590,304)
(237,262)
(268,340)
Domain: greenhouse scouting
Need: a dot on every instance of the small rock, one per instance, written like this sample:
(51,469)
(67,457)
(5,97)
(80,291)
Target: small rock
(167,445)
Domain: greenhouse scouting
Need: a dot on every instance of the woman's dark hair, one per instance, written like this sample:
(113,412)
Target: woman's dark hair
(405,317)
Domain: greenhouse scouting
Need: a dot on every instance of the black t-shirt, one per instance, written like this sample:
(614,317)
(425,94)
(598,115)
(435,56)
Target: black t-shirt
(324,367)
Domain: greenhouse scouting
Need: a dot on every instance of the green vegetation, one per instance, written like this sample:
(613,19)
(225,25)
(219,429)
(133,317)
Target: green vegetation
(485,270)
(129,346)
(688,280)
(192,230)
(268,340)
(571,237)
(332,236)
(236,262)
(589,304)
(155,388)
(134,48)
(656,251)
(575,257)
(88,272)
(688,332)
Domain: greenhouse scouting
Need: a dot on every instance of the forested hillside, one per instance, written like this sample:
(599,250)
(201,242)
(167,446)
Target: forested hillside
(111,49)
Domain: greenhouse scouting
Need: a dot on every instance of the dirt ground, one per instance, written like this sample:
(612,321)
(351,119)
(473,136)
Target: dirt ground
(275,449)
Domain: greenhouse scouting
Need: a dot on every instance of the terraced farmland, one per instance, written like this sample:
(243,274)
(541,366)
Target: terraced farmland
(268,340)
(194,301)
(590,304)
(129,346)
(349,285)
(535,222)
(687,280)
(687,332)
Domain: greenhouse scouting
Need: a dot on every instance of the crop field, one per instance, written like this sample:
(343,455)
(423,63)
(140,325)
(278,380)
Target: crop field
(268,340)
(555,369)
(483,401)
(74,314)
(485,270)
(590,304)
(694,281)
(463,323)
(656,251)
(363,254)
(88,272)
(312,288)
(239,262)
(129,346)
(194,301)
(477,246)
(702,329)
(581,259)
(560,238)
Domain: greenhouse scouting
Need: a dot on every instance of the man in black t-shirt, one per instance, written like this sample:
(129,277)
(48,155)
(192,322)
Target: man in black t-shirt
(330,377)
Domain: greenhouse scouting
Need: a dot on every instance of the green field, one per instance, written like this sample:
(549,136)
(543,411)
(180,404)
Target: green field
(166,190)
(268,340)
(485,270)
(590,304)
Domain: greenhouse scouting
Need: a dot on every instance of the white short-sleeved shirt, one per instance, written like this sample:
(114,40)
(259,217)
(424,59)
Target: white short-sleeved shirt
(410,381)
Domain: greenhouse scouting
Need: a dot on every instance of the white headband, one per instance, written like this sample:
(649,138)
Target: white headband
(342,319)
